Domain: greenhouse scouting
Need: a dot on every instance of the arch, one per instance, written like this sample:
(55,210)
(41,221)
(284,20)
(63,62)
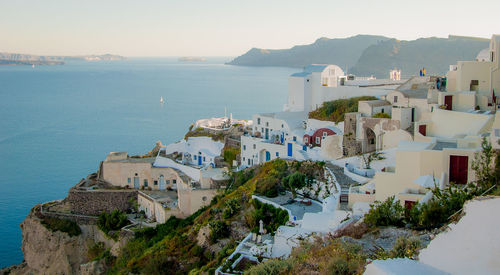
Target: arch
(371,140)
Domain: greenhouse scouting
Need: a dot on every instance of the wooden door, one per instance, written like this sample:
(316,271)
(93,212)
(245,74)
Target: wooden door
(422,129)
(459,169)
(448,101)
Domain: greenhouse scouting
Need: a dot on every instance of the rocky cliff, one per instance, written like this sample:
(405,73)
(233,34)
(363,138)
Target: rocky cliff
(54,252)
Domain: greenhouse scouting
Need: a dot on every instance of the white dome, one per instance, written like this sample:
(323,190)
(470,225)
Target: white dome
(483,55)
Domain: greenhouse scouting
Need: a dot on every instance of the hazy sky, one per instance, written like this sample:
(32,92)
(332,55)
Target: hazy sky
(226,27)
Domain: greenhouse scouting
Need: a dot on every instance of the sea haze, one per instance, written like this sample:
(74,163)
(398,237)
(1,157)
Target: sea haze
(58,122)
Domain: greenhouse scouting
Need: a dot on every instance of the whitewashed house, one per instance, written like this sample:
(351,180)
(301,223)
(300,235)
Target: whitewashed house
(197,151)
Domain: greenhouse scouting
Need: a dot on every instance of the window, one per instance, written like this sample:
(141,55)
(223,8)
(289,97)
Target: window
(294,138)
(136,174)
(281,125)
(174,181)
(258,121)
(254,146)
(325,134)
(244,147)
(262,130)
(155,182)
(318,140)
(277,154)
(248,161)
(194,157)
(145,183)
(267,124)
(129,180)
(383,110)
(306,140)
(243,158)
(204,159)
(395,99)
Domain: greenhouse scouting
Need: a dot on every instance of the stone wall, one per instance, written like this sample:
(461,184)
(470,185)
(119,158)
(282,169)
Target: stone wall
(351,146)
(94,202)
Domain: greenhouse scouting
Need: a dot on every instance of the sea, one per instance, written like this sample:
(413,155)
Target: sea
(58,122)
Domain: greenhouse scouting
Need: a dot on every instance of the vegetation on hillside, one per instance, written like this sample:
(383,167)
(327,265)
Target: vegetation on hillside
(175,246)
(381,115)
(200,132)
(230,154)
(56,224)
(336,109)
(109,223)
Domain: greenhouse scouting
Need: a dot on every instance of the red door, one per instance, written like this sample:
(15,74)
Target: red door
(422,129)
(409,204)
(459,169)
(448,99)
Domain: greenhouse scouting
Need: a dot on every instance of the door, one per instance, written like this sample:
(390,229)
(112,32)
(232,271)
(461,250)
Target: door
(422,129)
(136,183)
(163,186)
(268,156)
(409,204)
(290,149)
(448,100)
(267,133)
(459,169)
(199,160)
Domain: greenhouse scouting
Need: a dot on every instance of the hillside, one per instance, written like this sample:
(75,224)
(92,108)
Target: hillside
(366,55)
(435,54)
(341,51)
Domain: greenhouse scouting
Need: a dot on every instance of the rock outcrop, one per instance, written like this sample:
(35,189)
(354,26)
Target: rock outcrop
(55,252)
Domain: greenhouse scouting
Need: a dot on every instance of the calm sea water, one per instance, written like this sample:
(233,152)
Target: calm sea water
(58,122)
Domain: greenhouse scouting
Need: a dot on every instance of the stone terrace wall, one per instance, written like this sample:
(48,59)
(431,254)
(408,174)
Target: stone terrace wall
(96,201)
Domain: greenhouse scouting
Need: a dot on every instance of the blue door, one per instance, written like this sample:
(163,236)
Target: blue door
(199,160)
(136,182)
(282,138)
(290,149)
(304,147)
(268,156)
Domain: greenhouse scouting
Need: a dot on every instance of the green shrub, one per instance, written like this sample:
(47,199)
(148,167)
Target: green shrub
(95,250)
(112,222)
(389,212)
(63,225)
(268,187)
(403,248)
(381,115)
(230,155)
(232,207)
(295,181)
(218,230)
(271,216)
(270,267)
(335,110)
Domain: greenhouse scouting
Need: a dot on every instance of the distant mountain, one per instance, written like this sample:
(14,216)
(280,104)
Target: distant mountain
(344,52)
(28,59)
(433,54)
(366,55)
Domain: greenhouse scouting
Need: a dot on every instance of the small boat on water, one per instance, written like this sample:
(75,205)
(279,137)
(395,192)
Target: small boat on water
(161,100)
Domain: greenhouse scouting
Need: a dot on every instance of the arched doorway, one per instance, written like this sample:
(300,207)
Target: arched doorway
(371,140)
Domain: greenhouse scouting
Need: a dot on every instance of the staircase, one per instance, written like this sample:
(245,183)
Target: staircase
(344,181)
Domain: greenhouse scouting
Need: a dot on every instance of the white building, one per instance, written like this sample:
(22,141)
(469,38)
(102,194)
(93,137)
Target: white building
(198,151)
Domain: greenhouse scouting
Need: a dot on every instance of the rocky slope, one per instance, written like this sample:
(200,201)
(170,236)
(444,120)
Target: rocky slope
(55,252)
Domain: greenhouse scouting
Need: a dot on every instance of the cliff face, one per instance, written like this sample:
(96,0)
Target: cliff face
(48,252)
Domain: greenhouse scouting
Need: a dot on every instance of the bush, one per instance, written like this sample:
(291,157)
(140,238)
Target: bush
(295,181)
(335,110)
(63,225)
(403,248)
(230,155)
(232,207)
(389,212)
(270,267)
(271,216)
(218,230)
(112,222)
(381,115)
(268,187)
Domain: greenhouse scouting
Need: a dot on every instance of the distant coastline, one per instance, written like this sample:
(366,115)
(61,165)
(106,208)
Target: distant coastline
(27,59)
(192,59)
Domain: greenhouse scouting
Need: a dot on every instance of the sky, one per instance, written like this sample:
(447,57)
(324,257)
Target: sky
(226,27)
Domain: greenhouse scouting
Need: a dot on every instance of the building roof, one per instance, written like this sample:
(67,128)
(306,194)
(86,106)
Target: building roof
(376,103)
(134,160)
(415,94)
(194,145)
(315,68)
(301,74)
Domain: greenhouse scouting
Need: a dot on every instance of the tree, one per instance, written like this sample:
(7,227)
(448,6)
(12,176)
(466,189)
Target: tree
(295,181)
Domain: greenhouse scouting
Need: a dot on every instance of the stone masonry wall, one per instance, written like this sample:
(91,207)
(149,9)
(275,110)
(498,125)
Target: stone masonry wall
(96,201)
